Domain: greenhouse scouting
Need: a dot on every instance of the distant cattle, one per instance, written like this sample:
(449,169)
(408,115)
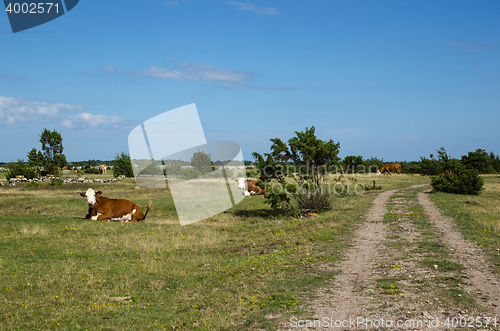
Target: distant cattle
(87,167)
(101,208)
(250,187)
(388,167)
(102,168)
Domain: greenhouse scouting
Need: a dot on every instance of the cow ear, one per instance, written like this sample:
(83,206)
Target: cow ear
(82,194)
(98,193)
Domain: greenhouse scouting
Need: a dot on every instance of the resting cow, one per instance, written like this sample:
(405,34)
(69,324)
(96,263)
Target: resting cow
(101,208)
(250,187)
(388,167)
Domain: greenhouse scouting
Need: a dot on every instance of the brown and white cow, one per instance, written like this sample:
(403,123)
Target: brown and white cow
(250,187)
(101,208)
(102,169)
(388,167)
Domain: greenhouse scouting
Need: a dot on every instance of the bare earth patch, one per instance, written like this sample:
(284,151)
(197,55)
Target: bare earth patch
(348,296)
(411,265)
(482,282)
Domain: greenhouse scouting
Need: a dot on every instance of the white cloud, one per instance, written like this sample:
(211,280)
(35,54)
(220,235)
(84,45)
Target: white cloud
(112,70)
(84,120)
(16,111)
(253,8)
(197,72)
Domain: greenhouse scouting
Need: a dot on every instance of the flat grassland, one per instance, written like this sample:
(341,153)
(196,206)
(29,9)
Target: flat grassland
(233,271)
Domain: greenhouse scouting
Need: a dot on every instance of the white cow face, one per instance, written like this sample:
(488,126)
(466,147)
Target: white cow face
(378,172)
(90,195)
(242,183)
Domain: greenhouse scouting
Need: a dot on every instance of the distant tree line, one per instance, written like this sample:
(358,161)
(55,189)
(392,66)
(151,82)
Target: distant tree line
(479,160)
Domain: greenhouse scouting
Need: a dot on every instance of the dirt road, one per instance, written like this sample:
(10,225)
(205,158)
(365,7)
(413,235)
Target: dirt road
(409,269)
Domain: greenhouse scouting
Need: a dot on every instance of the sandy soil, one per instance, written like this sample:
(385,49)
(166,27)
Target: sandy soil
(354,293)
(481,280)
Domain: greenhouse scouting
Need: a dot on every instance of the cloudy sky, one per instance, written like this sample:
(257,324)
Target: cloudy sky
(391,79)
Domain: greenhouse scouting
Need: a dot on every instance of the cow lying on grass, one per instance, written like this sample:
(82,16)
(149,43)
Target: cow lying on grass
(390,167)
(101,208)
(250,187)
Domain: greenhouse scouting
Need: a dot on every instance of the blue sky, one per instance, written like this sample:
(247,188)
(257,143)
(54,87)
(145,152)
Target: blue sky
(391,79)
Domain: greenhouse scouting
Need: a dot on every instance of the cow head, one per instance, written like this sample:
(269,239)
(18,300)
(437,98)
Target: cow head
(91,196)
(378,172)
(242,183)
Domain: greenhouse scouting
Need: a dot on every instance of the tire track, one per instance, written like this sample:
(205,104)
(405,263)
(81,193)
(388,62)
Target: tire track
(349,296)
(481,280)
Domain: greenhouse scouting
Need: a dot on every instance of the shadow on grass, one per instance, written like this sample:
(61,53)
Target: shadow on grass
(248,213)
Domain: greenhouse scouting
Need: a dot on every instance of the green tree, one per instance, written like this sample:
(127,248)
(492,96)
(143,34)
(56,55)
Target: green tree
(123,166)
(480,160)
(351,163)
(202,162)
(35,160)
(310,158)
(51,156)
(20,169)
(373,164)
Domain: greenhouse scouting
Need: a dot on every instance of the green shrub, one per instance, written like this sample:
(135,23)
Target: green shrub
(92,171)
(152,170)
(123,166)
(32,184)
(315,202)
(430,167)
(252,173)
(20,169)
(460,180)
(56,182)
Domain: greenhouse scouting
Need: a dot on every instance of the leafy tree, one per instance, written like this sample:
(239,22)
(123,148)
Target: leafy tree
(51,156)
(481,161)
(310,158)
(123,166)
(20,169)
(202,162)
(430,166)
(36,160)
(352,162)
(373,164)
(412,167)
(442,155)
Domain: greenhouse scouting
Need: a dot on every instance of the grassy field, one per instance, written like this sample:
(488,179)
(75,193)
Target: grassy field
(477,217)
(233,271)
(60,270)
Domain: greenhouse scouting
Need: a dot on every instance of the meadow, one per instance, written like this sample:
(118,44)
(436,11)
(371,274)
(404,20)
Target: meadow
(237,270)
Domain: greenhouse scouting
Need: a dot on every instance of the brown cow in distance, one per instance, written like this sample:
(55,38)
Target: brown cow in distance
(388,167)
(101,208)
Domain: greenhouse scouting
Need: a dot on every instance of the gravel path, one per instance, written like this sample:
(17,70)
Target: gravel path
(356,292)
